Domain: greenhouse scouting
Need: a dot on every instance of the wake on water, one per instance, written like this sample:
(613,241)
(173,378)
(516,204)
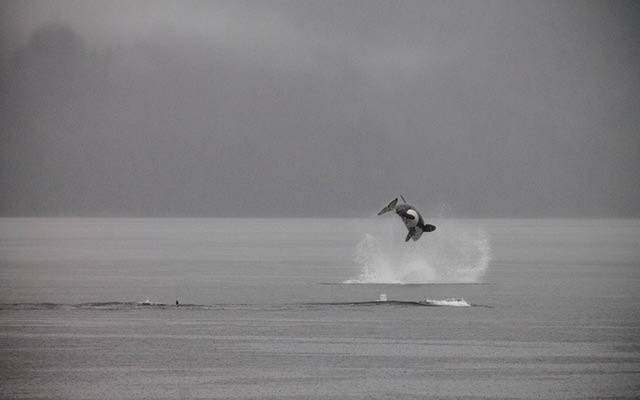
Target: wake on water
(454,253)
(140,305)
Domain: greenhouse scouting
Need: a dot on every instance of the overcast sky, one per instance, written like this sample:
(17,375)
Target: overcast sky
(320,108)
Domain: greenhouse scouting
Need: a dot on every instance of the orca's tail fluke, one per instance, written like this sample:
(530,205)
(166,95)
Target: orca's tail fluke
(390,207)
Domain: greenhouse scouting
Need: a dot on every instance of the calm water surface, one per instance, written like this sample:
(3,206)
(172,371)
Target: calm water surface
(288,309)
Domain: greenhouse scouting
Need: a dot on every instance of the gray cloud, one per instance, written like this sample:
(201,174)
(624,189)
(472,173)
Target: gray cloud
(486,108)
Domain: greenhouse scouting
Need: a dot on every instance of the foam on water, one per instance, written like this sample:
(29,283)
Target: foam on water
(454,253)
(447,302)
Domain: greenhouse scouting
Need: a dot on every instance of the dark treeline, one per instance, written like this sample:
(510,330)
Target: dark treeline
(170,127)
(147,131)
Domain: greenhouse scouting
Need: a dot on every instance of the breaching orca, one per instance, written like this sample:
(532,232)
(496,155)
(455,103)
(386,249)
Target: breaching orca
(411,218)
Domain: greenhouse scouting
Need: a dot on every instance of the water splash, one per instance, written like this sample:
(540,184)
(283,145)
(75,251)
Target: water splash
(454,253)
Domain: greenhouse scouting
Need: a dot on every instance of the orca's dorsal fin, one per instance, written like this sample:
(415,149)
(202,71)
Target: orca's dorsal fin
(390,207)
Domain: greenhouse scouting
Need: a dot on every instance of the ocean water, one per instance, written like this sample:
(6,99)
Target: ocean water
(319,309)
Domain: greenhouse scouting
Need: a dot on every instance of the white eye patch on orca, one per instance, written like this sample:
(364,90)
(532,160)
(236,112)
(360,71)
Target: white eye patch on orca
(412,218)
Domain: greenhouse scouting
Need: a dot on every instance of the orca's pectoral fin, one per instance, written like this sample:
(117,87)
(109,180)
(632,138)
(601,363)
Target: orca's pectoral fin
(409,235)
(429,228)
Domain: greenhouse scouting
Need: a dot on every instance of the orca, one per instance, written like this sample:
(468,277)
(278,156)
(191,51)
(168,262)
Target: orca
(410,217)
